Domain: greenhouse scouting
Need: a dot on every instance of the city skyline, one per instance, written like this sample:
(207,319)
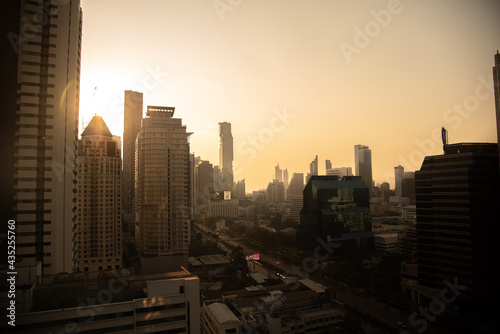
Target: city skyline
(301,78)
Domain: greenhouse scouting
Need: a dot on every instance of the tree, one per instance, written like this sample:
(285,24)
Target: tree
(238,261)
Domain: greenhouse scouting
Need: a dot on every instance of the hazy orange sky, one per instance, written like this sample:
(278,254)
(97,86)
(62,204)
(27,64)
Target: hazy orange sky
(299,78)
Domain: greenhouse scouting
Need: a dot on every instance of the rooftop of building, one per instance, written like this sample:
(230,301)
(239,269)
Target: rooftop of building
(222,313)
(158,110)
(97,126)
(458,148)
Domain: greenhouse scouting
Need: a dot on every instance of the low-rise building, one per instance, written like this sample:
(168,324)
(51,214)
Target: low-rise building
(217,318)
(168,302)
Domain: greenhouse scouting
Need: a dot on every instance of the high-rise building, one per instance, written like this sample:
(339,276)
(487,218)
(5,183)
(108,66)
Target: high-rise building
(363,164)
(408,186)
(398,175)
(204,183)
(285,178)
(457,197)
(275,192)
(98,228)
(313,168)
(239,190)
(226,155)
(496,87)
(163,187)
(45,132)
(338,211)
(328,165)
(295,187)
(278,173)
(131,127)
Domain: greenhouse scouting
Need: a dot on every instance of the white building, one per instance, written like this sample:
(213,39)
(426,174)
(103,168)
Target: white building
(387,242)
(217,318)
(224,208)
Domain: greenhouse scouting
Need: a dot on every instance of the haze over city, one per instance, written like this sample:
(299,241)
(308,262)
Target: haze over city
(299,79)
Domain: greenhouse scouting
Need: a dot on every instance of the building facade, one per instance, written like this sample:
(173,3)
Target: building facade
(335,210)
(167,303)
(46,133)
(99,217)
(131,127)
(163,185)
(295,187)
(457,197)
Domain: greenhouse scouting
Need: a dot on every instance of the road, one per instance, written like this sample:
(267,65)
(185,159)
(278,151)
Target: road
(370,312)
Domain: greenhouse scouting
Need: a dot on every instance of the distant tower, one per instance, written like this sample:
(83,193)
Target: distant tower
(313,168)
(363,164)
(285,178)
(163,190)
(398,175)
(278,173)
(99,216)
(328,165)
(226,155)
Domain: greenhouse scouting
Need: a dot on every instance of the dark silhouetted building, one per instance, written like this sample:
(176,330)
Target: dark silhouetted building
(363,164)
(336,210)
(457,200)
(496,87)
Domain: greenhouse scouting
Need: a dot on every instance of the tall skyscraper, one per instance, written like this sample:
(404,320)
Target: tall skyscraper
(296,186)
(46,132)
(131,127)
(278,173)
(98,228)
(313,169)
(496,87)
(275,192)
(363,164)
(285,178)
(398,175)
(163,188)
(457,197)
(226,155)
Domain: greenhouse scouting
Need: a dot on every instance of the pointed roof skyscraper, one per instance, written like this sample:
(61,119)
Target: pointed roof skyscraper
(97,126)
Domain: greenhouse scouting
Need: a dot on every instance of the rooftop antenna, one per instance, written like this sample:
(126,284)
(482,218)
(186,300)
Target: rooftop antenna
(444,137)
